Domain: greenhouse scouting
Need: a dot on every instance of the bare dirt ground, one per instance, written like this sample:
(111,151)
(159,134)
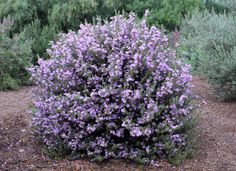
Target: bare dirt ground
(216,143)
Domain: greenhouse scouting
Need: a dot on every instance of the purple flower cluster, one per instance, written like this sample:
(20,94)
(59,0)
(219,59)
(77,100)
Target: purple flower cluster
(112,90)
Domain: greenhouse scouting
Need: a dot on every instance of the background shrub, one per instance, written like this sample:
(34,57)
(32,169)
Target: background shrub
(40,37)
(113,90)
(210,40)
(22,11)
(15,56)
(167,13)
(222,6)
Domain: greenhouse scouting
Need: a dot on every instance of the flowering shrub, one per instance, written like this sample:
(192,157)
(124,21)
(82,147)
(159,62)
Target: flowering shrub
(113,90)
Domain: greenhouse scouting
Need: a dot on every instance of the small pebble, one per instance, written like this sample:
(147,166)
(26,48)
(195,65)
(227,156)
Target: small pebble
(23,130)
(21,150)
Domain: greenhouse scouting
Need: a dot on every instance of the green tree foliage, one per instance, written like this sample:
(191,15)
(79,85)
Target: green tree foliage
(168,13)
(71,13)
(40,37)
(22,11)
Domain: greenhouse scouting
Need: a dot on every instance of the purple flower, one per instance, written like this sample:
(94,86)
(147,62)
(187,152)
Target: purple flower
(111,91)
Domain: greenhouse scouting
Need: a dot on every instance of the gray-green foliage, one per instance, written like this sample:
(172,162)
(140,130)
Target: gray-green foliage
(69,14)
(221,6)
(230,4)
(210,42)
(15,57)
(40,37)
(22,11)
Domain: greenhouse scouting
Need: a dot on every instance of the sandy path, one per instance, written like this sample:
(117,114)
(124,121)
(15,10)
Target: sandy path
(216,142)
(14,102)
(217,132)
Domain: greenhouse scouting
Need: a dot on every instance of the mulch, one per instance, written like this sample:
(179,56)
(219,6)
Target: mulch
(216,138)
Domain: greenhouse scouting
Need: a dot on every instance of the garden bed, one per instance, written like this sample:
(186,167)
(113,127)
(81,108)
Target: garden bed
(216,137)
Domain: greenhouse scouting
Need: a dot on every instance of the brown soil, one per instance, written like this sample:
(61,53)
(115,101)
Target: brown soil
(216,138)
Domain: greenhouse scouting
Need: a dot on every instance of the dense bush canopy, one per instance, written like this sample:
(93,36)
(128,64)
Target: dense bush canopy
(113,90)
(210,41)
(15,57)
